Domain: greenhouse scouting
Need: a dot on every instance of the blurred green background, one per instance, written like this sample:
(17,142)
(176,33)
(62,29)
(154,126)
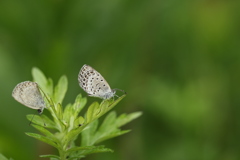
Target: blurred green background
(179,61)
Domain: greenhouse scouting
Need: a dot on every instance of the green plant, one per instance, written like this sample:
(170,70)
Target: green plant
(2,157)
(63,128)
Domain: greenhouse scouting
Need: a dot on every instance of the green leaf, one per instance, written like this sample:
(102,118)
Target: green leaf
(107,105)
(116,134)
(106,130)
(116,101)
(79,152)
(48,122)
(38,76)
(73,110)
(67,113)
(2,157)
(49,156)
(104,107)
(44,139)
(75,157)
(59,111)
(59,122)
(72,134)
(124,119)
(91,111)
(33,118)
(79,121)
(60,90)
(44,131)
(110,127)
(74,149)
(108,122)
(88,134)
(41,120)
(97,149)
(79,104)
(45,84)
(49,87)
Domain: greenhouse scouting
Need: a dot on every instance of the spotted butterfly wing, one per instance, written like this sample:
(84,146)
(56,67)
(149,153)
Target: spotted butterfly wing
(94,84)
(28,94)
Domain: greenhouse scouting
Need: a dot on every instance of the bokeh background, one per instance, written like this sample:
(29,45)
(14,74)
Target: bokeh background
(179,61)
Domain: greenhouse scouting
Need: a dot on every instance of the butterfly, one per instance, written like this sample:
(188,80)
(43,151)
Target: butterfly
(92,82)
(28,94)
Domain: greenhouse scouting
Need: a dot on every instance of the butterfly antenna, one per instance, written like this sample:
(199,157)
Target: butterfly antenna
(31,120)
(39,112)
(120,90)
(49,100)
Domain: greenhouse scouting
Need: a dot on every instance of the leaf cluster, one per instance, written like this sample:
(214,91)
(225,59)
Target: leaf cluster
(63,128)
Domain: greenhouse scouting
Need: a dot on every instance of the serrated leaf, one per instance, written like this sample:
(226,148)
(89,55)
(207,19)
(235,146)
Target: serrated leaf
(71,135)
(124,119)
(107,105)
(79,104)
(72,110)
(35,119)
(44,131)
(59,111)
(45,84)
(91,111)
(43,138)
(89,115)
(48,122)
(104,138)
(74,158)
(107,129)
(38,76)
(59,123)
(74,149)
(41,120)
(2,157)
(108,122)
(88,134)
(70,114)
(116,101)
(98,149)
(60,90)
(110,126)
(49,156)
(79,121)
(67,113)
(49,87)
(79,152)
